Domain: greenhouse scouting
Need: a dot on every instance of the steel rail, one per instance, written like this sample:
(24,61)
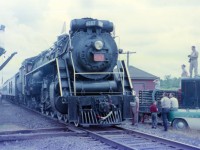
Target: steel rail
(26,131)
(143,141)
(30,136)
(170,142)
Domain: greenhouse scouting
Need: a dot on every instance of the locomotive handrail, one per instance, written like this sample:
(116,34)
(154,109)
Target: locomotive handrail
(74,73)
(70,41)
(122,77)
(59,79)
(122,80)
(120,73)
(99,92)
(68,78)
(92,73)
(100,73)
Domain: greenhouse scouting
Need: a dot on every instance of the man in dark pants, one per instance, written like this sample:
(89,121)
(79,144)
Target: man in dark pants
(165,104)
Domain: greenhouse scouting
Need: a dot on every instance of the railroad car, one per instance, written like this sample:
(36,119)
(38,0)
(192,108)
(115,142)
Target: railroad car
(8,89)
(74,79)
(145,101)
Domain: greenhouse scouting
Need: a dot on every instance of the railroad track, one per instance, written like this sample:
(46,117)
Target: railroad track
(116,137)
(30,134)
(125,139)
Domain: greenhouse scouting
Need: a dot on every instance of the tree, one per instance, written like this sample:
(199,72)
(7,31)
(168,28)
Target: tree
(170,83)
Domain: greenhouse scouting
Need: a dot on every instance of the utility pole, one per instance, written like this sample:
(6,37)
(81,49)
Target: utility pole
(127,55)
(2,48)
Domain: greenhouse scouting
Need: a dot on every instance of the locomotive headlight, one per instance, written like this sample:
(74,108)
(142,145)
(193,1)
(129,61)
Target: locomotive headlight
(98,45)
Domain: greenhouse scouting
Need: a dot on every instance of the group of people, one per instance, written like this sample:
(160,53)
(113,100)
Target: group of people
(193,60)
(167,104)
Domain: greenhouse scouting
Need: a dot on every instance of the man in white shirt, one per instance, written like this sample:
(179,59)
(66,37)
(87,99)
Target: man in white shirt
(165,104)
(193,61)
(174,102)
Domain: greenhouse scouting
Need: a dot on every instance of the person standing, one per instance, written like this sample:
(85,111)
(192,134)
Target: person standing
(157,87)
(154,110)
(173,101)
(184,73)
(135,110)
(193,61)
(165,104)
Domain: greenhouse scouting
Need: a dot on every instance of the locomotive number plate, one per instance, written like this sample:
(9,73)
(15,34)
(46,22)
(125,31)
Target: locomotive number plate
(99,57)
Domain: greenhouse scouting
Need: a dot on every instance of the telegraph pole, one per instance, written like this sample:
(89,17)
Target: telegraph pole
(2,48)
(127,55)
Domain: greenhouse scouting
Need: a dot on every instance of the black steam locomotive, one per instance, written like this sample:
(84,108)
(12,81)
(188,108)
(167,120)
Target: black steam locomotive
(79,79)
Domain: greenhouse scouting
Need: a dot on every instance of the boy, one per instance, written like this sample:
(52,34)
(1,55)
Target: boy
(154,110)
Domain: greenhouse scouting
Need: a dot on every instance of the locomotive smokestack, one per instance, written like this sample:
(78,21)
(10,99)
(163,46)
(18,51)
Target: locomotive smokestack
(2,48)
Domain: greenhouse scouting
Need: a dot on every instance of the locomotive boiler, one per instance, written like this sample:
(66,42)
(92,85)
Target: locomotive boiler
(79,79)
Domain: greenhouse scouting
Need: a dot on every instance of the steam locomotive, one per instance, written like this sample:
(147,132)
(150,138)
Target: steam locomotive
(79,79)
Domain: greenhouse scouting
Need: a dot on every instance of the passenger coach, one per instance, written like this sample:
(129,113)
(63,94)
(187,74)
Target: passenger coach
(8,89)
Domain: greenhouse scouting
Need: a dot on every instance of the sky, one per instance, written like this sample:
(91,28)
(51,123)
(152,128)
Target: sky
(161,32)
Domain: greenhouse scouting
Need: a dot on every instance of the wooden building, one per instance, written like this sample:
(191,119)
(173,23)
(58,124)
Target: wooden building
(141,80)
